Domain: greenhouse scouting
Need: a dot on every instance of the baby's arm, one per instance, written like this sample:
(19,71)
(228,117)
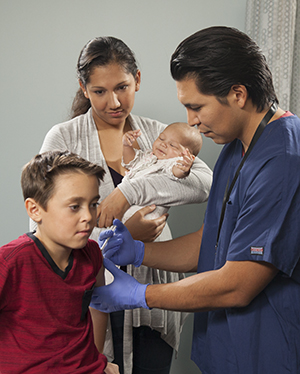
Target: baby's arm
(128,139)
(182,167)
(99,318)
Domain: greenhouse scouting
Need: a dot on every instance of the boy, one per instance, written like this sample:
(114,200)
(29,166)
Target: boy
(172,153)
(47,276)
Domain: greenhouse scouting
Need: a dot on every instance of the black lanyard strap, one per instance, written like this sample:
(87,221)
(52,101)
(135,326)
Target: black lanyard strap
(255,138)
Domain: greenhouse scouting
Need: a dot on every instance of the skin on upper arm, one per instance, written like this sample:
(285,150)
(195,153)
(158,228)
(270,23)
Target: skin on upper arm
(99,318)
(100,279)
(236,284)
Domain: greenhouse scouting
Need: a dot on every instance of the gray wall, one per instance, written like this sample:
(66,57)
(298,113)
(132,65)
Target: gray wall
(40,41)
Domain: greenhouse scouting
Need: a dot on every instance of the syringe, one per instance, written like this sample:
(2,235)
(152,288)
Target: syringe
(113,228)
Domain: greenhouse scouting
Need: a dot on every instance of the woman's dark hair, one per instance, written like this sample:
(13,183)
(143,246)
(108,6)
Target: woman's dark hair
(100,51)
(218,58)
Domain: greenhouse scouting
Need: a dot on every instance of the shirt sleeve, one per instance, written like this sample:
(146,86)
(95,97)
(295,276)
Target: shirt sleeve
(54,140)
(138,154)
(266,226)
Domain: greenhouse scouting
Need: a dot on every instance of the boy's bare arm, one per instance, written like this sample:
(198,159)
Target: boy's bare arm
(99,318)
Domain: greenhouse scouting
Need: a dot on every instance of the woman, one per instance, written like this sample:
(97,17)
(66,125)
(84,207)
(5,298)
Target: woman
(101,113)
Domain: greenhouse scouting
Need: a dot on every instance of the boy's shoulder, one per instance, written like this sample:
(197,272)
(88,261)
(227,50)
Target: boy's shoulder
(93,251)
(27,250)
(13,248)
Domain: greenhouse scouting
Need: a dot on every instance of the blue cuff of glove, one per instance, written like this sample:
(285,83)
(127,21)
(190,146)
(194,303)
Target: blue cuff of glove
(141,295)
(140,253)
(92,305)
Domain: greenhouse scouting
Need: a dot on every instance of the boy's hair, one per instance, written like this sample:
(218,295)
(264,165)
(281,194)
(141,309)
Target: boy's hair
(38,175)
(218,58)
(191,137)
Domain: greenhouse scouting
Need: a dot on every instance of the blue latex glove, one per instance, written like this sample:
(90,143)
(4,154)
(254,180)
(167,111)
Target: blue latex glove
(124,292)
(121,248)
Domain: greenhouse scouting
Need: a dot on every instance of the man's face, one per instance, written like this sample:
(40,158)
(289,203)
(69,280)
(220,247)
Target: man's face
(220,122)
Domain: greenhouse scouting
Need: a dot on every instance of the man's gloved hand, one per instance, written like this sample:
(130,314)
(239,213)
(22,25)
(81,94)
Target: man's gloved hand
(124,292)
(121,248)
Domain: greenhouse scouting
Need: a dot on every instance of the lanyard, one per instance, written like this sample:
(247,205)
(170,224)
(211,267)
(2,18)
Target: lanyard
(255,138)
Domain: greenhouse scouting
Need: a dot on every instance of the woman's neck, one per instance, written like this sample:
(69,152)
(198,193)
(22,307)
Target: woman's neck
(110,138)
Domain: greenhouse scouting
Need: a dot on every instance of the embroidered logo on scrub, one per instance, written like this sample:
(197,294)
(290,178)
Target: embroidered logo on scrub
(257,250)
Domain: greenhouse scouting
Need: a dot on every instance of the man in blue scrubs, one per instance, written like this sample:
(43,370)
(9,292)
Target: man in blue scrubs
(246,293)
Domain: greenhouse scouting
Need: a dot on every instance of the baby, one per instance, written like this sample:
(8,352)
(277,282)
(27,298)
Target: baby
(173,153)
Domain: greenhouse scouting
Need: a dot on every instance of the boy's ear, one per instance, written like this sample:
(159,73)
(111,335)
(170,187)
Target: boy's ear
(33,209)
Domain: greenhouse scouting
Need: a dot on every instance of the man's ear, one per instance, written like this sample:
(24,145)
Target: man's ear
(33,210)
(240,94)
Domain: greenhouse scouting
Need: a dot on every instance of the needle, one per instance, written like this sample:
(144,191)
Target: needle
(113,228)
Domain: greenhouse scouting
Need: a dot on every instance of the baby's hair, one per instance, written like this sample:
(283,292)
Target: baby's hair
(39,175)
(191,137)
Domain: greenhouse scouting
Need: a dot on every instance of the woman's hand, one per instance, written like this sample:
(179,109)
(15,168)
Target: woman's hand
(143,229)
(111,368)
(113,206)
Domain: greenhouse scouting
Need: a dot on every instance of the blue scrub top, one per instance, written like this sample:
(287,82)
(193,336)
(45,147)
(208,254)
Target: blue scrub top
(261,223)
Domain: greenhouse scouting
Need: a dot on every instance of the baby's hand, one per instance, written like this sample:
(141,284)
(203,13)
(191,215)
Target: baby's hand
(187,161)
(182,167)
(130,136)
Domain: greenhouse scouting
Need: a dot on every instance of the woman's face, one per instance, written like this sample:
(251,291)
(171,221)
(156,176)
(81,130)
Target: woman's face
(111,92)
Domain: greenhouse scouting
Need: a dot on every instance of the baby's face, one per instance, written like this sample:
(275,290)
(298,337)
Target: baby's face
(168,145)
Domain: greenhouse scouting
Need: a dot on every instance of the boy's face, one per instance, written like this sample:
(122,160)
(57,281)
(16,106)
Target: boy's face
(168,144)
(71,212)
